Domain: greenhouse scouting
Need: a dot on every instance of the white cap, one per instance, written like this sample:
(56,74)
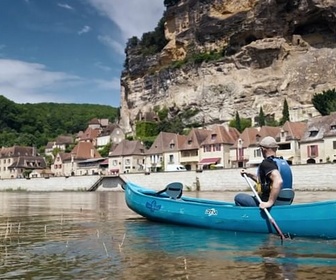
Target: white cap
(268,142)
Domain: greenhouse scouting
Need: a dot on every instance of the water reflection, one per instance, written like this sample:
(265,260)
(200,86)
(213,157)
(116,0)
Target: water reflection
(95,236)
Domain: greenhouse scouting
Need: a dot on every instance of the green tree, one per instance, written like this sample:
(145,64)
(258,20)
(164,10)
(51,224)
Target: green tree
(285,113)
(242,123)
(325,102)
(238,123)
(261,121)
(104,152)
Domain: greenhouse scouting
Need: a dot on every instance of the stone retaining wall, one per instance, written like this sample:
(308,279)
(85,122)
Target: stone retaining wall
(306,177)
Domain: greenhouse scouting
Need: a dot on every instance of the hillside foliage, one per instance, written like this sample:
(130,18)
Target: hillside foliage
(325,102)
(36,124)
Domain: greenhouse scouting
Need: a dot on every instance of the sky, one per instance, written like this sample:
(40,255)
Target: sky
(69,51)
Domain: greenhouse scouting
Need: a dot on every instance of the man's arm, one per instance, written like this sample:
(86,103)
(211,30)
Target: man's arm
(276,179)
(250,175)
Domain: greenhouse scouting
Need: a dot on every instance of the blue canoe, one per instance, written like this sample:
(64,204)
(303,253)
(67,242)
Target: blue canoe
(316,219)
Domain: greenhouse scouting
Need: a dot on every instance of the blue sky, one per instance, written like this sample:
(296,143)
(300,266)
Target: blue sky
(69,51)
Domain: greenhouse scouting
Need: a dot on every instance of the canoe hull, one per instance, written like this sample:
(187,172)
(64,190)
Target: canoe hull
(305,220)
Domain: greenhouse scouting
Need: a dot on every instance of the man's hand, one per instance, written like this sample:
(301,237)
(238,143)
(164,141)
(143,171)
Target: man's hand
(243,171)
(265,205)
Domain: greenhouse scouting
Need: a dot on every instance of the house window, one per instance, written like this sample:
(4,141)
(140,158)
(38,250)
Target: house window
(334,145)
(189,142)
(171,145)
(207,148)
(127,162)
(213,136)
(171,158)
(313,133)
(312,151)
(217,147)
(257,153)
(333,127)
(114,162)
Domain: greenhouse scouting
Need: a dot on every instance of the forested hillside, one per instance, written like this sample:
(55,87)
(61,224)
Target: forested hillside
(36,124)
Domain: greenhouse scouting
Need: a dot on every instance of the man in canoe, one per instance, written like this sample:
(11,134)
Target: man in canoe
(273,175)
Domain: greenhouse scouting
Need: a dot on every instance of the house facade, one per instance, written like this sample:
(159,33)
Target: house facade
(84,159)
(318,144)
(127,157)
(215,149)
(18,162)
(164,152)
(190,149)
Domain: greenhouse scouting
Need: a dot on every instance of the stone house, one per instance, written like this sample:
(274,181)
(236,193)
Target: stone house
(215,149)
(318,144)
(164,151)
(245,151)
(289,139)
(127,157)
(110,134)
(84,159)
(60,143)
(190,149)
(16,161)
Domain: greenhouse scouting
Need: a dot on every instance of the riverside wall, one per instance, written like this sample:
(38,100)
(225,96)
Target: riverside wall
(319,177)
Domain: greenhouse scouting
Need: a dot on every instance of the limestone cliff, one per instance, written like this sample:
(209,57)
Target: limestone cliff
(271,50)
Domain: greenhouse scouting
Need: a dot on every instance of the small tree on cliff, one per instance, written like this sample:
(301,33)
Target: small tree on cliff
(325,102)
(285,113)
(261,121)
(240,123)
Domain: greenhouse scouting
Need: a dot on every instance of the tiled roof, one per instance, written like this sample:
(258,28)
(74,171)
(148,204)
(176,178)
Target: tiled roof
(109,129)
(65,156)
(29,162)
(324,126)
(222,135)
(166,142)
(194,139)
(90,134)
(85,150)
(16,151)
(63,139)
(251,136)
(128,148)
(295,130)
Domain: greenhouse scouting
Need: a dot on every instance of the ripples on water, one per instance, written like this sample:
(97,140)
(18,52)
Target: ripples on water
(95,236)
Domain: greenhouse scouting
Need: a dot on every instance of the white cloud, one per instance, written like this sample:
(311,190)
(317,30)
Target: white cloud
(133,17)
(31,82)
(102,66)
(108,84)
(113,44)
(85,29)
(65,6)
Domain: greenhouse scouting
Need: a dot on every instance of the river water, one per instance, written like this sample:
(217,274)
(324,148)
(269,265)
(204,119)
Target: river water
(93,235)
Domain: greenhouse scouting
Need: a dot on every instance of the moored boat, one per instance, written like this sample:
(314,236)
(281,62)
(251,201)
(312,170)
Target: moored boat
(316,219)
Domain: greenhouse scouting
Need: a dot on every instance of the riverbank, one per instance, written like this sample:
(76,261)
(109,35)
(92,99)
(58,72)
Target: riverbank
(318,177)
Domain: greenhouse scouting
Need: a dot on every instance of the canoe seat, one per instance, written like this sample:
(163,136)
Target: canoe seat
(285,197)
(173,190)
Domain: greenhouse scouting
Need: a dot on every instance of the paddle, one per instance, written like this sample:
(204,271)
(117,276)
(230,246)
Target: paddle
(270,218)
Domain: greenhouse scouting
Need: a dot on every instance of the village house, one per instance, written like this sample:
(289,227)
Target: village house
(245,152)
(84,159)
(127,157)
(164,152)
(289,139)
(61,143)
(215,149)
(112,133)
(190,149)
(318,144)
(19,162)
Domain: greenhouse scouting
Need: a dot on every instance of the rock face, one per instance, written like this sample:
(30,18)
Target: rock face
(271,50)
